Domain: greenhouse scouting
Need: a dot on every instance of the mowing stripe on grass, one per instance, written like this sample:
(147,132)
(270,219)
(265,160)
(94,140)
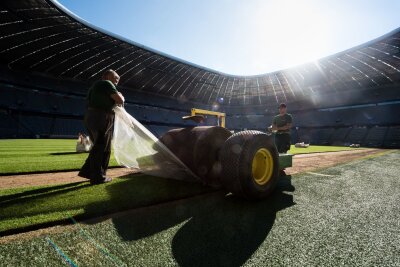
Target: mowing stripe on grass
(61,253)
(40,155)
(100,248)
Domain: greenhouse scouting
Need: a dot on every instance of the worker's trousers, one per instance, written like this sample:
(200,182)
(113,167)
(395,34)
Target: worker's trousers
(100,126)
(282,142)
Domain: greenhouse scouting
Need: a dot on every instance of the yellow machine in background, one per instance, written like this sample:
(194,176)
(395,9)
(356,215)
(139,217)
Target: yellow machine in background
(196,115)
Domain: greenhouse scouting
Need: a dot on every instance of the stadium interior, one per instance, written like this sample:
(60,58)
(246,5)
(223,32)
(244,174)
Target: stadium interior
(49,57)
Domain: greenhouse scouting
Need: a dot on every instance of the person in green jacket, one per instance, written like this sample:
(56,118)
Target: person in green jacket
(99,122)
(281,124)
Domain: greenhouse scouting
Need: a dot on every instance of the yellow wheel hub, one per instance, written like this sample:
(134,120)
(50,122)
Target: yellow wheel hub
(262,166)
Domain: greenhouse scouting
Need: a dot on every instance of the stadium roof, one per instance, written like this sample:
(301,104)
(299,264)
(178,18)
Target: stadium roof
(42,36)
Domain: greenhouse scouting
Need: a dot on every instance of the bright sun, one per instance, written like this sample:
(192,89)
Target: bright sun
(294,32)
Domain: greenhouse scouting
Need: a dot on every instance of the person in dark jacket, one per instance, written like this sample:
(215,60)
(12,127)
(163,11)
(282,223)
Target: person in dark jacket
(282,124)
(99,122)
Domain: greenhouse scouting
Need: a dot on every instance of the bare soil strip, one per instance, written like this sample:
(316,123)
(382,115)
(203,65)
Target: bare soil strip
(52,178)
(314,161)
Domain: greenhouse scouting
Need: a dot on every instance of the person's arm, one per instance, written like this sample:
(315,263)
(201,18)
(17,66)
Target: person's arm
(286,127)
(118,98)
(288,124)
(273,126)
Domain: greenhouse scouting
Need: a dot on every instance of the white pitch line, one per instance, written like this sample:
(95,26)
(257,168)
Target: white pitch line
(321,174)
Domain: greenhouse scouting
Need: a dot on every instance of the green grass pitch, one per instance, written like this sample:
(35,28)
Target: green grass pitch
(42,155)
(347,215)
(34,206)
(31,207)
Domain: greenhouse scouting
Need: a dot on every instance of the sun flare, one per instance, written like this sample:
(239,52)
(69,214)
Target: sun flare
(294,32)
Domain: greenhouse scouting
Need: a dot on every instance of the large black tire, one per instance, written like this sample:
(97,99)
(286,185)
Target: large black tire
(250,166)
(198,148)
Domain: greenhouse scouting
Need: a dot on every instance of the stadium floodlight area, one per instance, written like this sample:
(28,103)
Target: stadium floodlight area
(49,56)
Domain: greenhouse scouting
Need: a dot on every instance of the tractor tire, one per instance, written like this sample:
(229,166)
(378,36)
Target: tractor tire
(250,166)
(198,148)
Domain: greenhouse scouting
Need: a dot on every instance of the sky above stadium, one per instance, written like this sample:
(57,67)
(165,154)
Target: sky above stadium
(243,37)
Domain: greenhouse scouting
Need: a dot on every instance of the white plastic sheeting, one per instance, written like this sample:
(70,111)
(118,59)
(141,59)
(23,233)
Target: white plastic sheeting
(136,147)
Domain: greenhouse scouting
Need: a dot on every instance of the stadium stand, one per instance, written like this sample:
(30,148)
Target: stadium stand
(36,124)
(339,135)
(158,131)
(321,136)
(392,139)
(375,137)
(8,126)
(304,135)
(349,97)
(67,127)
(356,135)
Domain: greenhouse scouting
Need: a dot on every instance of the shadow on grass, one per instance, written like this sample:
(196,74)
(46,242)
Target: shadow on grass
(217,230)
(38,193)
(140,190)
(65,153)
(52,205)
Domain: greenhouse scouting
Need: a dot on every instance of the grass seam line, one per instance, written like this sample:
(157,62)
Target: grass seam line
(321,174)
(102,249)
(328,151)
(61,253)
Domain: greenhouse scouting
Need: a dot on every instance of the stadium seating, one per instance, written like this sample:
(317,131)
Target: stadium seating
(158,130)
(392,139)
(7,96)
(321,136)
(35,105)
(304,135)
(356,135)
(338,136)
(67,128)
(38,125)
(8,126)
(375,137)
